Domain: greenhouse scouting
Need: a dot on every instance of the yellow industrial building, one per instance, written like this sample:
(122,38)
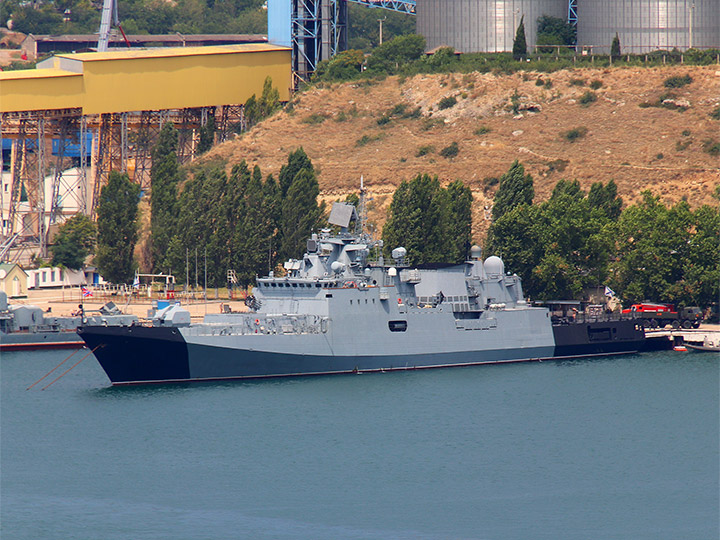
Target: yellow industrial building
(149,79)
(93,113)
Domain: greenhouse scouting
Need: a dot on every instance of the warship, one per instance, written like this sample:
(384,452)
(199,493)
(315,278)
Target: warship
(337,311)
(27,327)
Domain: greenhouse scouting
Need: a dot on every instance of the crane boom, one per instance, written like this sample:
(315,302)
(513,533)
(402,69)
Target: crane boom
(109,15)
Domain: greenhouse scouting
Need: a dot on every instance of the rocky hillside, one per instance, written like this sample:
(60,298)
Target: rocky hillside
(586,124)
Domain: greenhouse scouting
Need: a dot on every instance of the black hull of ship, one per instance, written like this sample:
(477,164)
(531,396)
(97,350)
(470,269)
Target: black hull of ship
(602,337)
(143,355)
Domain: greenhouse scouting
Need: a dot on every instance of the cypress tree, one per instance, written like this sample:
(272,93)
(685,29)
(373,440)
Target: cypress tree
(515,188)
(207,136)
(253,240)
(615,47)
(164,177)
(300,214)
(297,161)
(519,50)
(458,221)
(433,224)
(117,228)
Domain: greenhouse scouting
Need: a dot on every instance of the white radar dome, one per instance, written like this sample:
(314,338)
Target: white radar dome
(494,266)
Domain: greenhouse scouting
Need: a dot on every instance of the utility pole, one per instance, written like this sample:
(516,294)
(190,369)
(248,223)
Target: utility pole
(381,21)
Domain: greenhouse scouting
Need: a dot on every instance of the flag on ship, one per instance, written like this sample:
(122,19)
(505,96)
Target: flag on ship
(86,292)
(609,291)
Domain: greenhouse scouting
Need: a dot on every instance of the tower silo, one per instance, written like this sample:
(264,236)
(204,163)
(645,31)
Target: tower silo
(482,25)
(647,25)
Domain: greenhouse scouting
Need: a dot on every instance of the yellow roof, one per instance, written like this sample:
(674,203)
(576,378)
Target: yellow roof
(168,52)
(36,74)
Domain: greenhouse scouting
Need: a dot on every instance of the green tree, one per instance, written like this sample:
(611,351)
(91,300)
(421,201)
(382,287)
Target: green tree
(615,46)
(364,27)
(254,237)
(457,233)
(515,188)
(164,178)
(342,67)
(300,214)
(207,135)
(297,161)
(74,242)
(256,110)
(433,224)
(605,198)
(117,228)
(555,31)
(391,55)
(559,247)
(653,247)
(519,50)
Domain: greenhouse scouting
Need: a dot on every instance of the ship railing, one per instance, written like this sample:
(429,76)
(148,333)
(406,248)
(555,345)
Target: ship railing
(264,325)
(584,318)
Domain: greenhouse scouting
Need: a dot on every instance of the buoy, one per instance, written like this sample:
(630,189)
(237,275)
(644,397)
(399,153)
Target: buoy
(680,348)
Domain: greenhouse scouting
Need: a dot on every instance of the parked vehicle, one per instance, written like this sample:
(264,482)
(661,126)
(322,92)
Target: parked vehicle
(661,315)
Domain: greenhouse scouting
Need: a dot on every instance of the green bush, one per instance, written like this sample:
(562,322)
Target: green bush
(575,134)
(577,82)
(677,81)
(715,115)
(314,118)
(447,102)
(429,123)
(482,130)
(450,151)
(596,84)
(384,119)
(712,147)
(366,139)
(424,150)
(398,110)
(587,98)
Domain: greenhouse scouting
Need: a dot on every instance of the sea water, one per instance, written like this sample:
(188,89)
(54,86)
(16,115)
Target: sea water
(615,448)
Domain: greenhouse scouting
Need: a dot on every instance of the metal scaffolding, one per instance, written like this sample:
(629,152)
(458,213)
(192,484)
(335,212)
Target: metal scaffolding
(406,6)
(113,142)
(572,16)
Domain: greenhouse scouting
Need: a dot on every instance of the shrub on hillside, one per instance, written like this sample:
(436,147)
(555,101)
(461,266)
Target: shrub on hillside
(677,81)
(574,134)
(587,98)
(712,147)
(450,151)
(424,150)
(447,102)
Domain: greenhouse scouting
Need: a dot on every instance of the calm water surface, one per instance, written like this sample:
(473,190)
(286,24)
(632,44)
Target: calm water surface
(623,448)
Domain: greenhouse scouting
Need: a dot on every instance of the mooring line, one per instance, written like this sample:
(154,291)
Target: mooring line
(72,367)
(53,369)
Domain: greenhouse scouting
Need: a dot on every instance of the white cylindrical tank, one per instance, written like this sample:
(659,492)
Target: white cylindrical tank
(648,25)
(482,25)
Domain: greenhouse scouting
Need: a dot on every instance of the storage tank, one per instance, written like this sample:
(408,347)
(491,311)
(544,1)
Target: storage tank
(648,25)
(482,25)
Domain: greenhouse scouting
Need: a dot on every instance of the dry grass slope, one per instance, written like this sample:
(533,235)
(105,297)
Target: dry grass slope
(497,119)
